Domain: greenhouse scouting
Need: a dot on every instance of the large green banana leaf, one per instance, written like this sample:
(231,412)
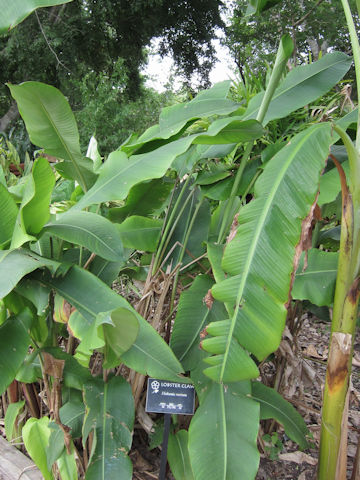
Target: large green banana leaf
(315,281)
(223,431)
(120,173)
(90,296)
(192,317)
(259,261)
(34,209)
(110,413)
(9,212)
(175,118)
(89,230)
(19,262)
(302,85)
(14,343)
(52,126)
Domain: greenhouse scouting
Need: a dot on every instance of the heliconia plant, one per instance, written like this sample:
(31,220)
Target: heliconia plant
(66,233)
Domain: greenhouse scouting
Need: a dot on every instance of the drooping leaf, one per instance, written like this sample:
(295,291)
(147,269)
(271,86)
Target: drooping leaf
(36,434)
(67,465)
(90,334)
(14,343)
(19,262)
(149,354)
(192,317)
(120,335)
(35,205)
(178,456)
(37,294)
(9,212)
(216,173)
(56,444)
(30,369)
(110,412)
(52,126)
(115,330)
(120,173)
(11,415)
(316,282)
(89,230)
(14,12)
(273,405)
(140,233)
(223,432)
(143,199)
(301,86)
(72,414)
(259,260)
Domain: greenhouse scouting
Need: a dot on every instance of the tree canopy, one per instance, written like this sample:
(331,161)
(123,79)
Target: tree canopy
(60,44)
(314,27)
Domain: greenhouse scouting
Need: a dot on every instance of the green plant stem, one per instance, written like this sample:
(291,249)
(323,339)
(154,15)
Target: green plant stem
(354,188)
(333,442)
(228,209)
(183,250)
(171,225)
(356,53)
(284,51)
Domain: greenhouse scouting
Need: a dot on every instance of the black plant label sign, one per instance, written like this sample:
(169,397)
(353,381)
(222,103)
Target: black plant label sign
(170,397)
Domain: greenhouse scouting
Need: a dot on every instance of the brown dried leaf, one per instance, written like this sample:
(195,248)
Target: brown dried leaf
(53,366)
(209,299)
(298,457)
(233,229)
(311,351)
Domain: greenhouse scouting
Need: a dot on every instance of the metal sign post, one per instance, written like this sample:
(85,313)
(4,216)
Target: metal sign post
(170,398)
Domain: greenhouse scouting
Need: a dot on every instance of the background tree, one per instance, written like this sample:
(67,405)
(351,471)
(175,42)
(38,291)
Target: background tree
(314,27)
(63,45)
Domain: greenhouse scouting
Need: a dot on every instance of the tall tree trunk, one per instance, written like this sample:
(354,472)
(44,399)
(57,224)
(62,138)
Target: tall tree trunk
(11,115)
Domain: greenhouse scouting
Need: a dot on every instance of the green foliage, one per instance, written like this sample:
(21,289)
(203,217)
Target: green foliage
(315,281)
(253,40)
(36,434)
(218,417)
(192,191)
(110,413)
(272,405)
(178,456)
(273,445)
(11,419)
(12,353)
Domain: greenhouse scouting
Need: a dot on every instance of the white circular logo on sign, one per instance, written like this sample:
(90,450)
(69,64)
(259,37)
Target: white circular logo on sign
(155,386)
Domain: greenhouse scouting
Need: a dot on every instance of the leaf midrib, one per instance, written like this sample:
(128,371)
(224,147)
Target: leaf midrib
(261,400)
(83,229)
(283,92)
(72,158)
(315,272)
(253,246)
